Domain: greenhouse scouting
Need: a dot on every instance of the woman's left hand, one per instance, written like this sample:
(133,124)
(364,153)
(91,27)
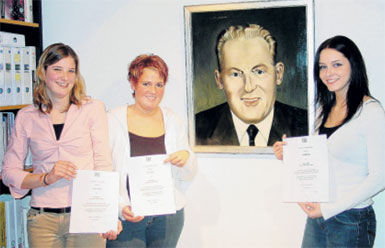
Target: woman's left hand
(178,158)
(112,235)
(312,209)
(278,148)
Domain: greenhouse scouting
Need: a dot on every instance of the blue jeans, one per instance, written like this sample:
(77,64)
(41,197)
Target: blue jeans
(152,231)
(351,228)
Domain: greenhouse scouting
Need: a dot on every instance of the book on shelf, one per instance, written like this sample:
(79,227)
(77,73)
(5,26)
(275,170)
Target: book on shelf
(3,240)
(1,12)
(28,10)
(2,142)
(10,223)
(7,120)
(20,217)
(7,9)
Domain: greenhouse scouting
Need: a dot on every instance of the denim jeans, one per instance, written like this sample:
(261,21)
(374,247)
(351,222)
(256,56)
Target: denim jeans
(152,231)
(351,228)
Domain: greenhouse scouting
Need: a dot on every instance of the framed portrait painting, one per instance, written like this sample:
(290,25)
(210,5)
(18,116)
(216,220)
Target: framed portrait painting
(249,72)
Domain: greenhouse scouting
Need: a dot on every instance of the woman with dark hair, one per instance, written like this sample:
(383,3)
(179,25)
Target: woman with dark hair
(65,131)
(145,128)
(354,123)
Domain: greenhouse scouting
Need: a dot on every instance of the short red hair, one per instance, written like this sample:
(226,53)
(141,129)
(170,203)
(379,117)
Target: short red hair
(135,70)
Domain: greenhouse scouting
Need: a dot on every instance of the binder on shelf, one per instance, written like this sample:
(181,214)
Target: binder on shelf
(8,76)
(2,76)
(17,75)
(29,67)
(12,39)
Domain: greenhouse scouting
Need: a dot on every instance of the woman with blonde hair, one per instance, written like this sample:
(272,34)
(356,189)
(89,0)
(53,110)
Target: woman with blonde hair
(65,131)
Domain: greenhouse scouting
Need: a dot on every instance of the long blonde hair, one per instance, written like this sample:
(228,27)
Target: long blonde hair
(51,55)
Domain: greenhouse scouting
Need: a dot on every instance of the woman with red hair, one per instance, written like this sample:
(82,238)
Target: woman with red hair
(141,129)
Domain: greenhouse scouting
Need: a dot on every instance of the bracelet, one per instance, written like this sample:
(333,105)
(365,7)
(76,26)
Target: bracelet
(45,178)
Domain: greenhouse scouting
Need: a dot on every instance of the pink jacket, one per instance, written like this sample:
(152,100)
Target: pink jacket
(83,141)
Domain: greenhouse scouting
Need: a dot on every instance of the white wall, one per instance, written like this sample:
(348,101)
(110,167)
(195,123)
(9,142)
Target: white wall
(235,199)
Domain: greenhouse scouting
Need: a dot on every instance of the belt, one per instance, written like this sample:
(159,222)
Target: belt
(54,210)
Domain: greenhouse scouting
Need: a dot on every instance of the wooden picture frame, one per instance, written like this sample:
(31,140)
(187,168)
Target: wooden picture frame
(290,22)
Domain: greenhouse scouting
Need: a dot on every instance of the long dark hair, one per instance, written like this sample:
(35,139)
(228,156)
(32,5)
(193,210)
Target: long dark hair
(358,87)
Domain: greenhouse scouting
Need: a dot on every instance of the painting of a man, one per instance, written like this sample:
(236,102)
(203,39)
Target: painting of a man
(248,73)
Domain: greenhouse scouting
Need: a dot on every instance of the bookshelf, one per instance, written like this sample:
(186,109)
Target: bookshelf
(32,31)
(13,233)
(33,37)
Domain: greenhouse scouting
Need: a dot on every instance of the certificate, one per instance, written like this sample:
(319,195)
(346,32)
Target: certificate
(95,196)
(151,186)
(306,169)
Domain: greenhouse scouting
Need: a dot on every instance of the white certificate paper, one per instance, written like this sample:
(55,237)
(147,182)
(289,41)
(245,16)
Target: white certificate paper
(151,186)
(306,169)
(95,197)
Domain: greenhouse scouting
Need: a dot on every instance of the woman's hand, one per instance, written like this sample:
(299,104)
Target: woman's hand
(278,148)
(312,209)
(129,215)
(178,158)
(112,235)
(61,169)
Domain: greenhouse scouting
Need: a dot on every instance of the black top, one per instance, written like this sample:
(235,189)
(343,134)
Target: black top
(142,146)
(58,129)
(328,130)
